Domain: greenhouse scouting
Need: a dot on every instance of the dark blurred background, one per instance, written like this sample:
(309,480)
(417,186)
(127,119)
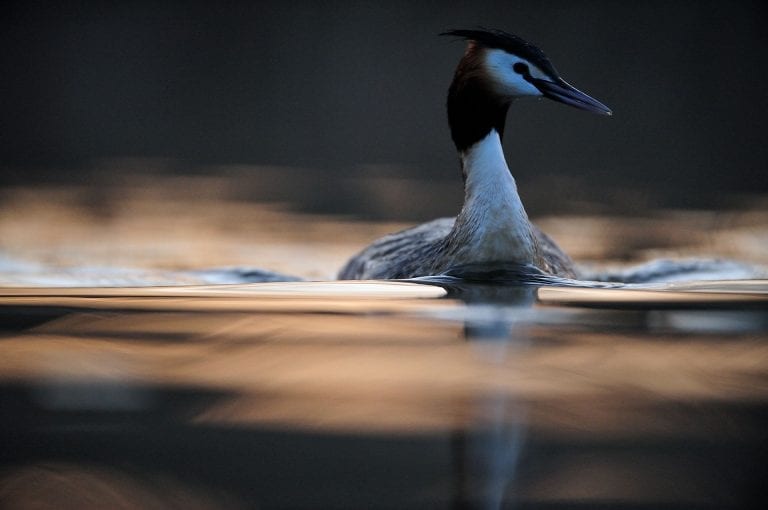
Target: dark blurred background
(301,98)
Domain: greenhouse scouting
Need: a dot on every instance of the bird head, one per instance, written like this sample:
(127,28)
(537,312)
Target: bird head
(510,67)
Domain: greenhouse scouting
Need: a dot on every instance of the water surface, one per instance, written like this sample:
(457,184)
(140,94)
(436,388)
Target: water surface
(125,383)
(382,395)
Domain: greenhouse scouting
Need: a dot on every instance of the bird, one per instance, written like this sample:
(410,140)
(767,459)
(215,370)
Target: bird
(492,227)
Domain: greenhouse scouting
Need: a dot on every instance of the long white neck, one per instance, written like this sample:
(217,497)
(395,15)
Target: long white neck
(492,225)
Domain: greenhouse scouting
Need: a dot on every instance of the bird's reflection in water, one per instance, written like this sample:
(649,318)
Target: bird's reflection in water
(486,453)
(370,395)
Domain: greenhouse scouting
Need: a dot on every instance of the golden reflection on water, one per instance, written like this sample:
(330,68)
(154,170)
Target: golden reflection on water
(287,297)
(133,231)
(166,224)
(361,362)
(752,294)
(70,486)
(603,401)
(285,395)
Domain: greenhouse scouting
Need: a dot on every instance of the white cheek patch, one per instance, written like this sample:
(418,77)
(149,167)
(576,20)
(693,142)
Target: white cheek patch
(536,73)
(499,65)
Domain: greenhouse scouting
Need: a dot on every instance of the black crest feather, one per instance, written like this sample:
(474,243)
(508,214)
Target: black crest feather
(492,38)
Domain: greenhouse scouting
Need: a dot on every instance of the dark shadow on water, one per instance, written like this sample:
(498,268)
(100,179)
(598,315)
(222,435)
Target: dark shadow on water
(527,404)
(14,319)
(504,284)
(709,456)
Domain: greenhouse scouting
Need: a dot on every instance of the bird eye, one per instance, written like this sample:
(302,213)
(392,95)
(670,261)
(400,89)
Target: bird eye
(520,68)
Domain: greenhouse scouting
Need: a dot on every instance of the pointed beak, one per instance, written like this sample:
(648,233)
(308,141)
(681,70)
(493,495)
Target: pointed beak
(562,92)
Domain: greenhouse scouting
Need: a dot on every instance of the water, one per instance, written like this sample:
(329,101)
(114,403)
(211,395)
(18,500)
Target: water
(382,395)
(437,394)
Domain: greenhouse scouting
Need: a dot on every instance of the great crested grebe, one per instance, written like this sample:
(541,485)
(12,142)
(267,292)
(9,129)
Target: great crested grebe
(492,227)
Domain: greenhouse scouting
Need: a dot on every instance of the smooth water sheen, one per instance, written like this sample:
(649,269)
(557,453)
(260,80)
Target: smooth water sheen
(383,395)
(442,392)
